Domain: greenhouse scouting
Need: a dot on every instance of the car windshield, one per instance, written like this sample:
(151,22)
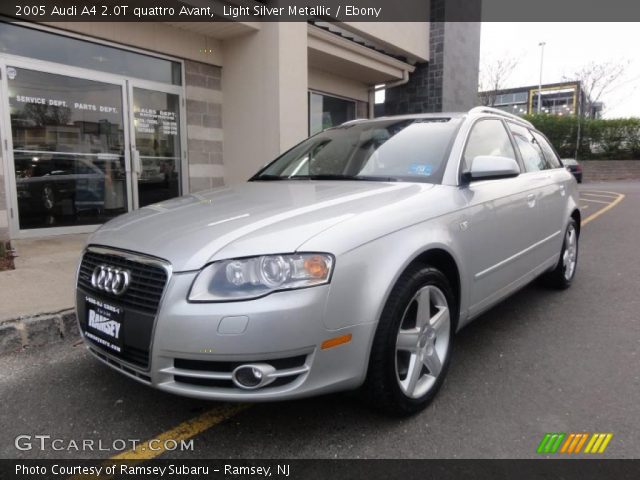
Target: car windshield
(413,150)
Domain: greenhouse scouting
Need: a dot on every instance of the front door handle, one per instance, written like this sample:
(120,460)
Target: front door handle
(531,200)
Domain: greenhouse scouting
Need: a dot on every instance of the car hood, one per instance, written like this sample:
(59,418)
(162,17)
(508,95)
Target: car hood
(253,218)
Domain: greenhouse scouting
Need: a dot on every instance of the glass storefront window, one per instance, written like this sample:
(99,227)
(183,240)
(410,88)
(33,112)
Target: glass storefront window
(326,111)
(33,43)
(68,149)
(157,132)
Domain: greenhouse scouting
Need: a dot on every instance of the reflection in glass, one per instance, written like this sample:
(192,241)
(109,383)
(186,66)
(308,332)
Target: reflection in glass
(326,111)
(413,150)
(157,137)
(33,43)
(68,141)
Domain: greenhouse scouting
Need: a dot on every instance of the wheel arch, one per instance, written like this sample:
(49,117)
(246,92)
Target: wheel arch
(443,261)
(576,215)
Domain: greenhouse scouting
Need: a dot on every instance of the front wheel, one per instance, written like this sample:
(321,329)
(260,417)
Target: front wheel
(564,272)
(412,346)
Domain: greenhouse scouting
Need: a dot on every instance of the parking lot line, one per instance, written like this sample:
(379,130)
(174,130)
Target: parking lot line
(182,432)
(608,207)
(607,195)
(595,201)
(190,428)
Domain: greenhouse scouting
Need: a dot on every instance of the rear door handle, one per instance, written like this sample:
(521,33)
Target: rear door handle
(531,200)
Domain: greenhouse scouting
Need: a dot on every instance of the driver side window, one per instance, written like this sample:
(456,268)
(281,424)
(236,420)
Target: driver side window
(487,137)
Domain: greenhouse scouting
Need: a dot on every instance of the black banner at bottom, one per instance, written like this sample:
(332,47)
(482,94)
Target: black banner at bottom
(591,469)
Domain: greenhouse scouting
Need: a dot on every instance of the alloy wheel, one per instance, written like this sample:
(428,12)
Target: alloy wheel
(422,343)
(570,255)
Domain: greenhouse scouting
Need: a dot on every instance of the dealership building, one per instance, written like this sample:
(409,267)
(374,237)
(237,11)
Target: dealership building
(98,119)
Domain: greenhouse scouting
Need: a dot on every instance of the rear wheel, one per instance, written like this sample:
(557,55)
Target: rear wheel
(562,275)
(412,347)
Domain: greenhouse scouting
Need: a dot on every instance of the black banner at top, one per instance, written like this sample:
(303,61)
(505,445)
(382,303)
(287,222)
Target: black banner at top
(327,10)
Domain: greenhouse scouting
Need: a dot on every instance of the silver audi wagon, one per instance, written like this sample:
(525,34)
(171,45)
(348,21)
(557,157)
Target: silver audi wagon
(348,262)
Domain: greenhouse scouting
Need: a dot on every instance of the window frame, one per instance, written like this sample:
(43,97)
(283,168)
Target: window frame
(523,165)
(311,91)
(461,160)
(553,149)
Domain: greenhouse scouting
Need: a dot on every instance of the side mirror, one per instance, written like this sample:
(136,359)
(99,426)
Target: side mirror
(486,167)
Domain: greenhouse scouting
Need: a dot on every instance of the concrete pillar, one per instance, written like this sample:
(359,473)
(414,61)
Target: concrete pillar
(265,96)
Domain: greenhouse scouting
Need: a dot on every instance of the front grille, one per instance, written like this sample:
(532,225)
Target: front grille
(137,356)
(147,281)
(124,368)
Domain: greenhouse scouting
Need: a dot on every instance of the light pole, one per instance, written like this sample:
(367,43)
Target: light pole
(541,45)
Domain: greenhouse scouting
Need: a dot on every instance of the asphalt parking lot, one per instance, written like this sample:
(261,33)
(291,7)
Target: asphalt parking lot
(543,361)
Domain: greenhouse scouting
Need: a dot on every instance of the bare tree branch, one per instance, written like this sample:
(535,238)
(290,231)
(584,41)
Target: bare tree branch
(493,76)
(598,79)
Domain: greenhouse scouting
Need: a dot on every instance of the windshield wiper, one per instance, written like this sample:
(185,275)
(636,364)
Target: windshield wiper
(364,178)
(267,177)
(351,177)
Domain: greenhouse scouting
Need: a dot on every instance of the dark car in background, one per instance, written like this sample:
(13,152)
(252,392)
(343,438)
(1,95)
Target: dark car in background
(54,184)
(574,167)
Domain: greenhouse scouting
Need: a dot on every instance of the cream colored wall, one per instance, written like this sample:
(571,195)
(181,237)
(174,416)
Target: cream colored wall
(410,38)
(155,37)
(265,96)
(326,82)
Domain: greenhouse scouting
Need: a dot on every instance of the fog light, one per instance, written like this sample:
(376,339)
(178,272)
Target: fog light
(253,376)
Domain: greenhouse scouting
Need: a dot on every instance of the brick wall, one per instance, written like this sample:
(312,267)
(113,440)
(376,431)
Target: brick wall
(608,170)
(204,125)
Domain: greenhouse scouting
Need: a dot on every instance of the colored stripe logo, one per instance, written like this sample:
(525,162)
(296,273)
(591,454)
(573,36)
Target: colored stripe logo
(572,443)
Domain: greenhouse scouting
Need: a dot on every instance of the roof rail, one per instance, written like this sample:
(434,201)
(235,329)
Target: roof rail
(497,111)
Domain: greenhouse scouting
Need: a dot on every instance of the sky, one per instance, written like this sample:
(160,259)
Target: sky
(568,47)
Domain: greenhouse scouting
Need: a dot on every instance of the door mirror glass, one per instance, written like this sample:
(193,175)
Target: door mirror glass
(485,167)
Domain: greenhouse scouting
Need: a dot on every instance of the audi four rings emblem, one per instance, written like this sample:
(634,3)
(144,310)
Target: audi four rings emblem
(110,279)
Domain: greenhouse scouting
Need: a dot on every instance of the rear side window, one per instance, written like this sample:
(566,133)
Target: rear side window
(487,137)
(532,156)
(548,151)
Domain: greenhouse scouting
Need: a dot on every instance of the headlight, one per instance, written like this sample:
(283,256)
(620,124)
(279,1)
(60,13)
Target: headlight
(246,278)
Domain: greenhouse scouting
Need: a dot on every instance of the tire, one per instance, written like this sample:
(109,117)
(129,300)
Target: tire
(410,354)
(564,272)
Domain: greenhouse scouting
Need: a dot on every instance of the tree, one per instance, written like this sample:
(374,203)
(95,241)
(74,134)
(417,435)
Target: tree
(598,79)
(493,76)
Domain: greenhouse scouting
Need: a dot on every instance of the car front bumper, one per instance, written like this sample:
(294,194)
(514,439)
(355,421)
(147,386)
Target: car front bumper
(194,347)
